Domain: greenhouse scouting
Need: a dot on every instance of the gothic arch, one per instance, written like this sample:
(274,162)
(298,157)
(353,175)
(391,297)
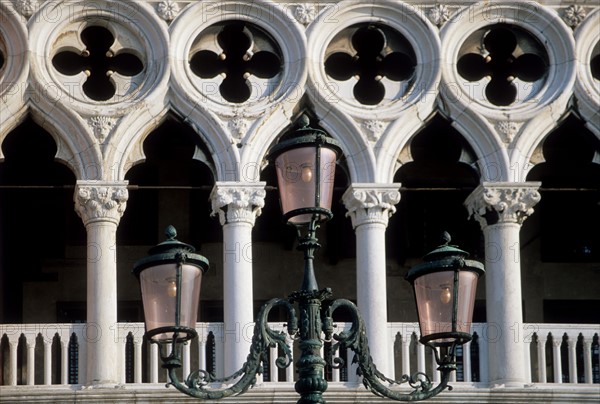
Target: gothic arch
(75,147)
(14,67)
(235,125)
(371,137)
(129,152)
(587,87)
(504,126)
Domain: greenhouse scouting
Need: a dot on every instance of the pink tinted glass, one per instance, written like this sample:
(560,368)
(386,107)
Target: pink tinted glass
(159,292)
(434,295)
(296,177)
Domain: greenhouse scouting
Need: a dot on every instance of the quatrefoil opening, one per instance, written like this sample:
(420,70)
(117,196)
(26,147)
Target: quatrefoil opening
(99,62)
(234,54)
(508,61)
(595,62)
(2,54)
(372,57)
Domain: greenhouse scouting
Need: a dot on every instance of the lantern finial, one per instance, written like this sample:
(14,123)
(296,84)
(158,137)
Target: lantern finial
(303,121)
(446,239)
(170,232)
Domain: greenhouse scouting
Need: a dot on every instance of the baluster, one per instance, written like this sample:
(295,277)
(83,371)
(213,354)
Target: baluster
(289,371)
(527,355)
(202,351)
(273,373)
(484,375)
(436,373)
(13,345)
(541,348)
(467,362)
(186,359)
(556,359)
(572,344)
(453,374)
(137,360)
(153,363)
(64,360)
(421,358)
(122,350)
(47,361)
(30,343)
(406,339)
(335,374)
(587,359)
(220,354)
(352,367)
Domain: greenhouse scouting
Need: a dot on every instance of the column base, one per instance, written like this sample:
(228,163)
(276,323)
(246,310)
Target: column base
(508,384)
(103,384)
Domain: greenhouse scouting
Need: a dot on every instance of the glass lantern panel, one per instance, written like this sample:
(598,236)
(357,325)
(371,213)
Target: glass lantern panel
(159,293)
(434,294)
(467,286)
(296,177)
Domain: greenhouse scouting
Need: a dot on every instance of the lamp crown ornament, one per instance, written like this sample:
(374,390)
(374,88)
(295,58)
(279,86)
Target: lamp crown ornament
(305,163)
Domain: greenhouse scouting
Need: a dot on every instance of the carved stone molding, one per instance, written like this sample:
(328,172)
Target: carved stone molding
(100,201)
(167,10)
(238,125)
(438,14)
(26,7)
(374,129)
(508,130)
(305,13)
(101,125)
(503,202)
(574,15)
(371,203)
(238,202)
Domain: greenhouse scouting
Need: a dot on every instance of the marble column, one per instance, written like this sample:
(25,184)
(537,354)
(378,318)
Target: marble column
(501,209)
(100,206)
(238,205)
(370,206)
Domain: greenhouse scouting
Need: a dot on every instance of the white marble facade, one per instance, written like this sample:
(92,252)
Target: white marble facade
(100,136)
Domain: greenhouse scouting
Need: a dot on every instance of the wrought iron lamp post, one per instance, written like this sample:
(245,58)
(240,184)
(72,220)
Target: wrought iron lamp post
(170,281)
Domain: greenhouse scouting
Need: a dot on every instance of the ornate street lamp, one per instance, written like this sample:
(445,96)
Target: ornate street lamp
(170,281)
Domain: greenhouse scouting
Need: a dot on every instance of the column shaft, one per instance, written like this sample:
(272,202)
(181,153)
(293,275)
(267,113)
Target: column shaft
(238,205)
(101,206)
(504,303)
(103,352)
(371,290)
(238,301)
(501,209)
(370,206)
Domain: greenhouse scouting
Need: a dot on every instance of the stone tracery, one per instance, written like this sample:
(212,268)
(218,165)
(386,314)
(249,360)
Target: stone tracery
(240,57)
(99,62)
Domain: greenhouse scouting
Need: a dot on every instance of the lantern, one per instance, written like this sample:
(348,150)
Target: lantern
(445,286)
(305,166)
(170,278)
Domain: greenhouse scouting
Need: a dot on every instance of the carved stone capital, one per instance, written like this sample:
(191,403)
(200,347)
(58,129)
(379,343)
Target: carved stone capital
(503,202)
(100,201)
(371,203)
(238,202)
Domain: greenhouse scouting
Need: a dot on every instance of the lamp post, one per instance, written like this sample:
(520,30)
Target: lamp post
(170,281)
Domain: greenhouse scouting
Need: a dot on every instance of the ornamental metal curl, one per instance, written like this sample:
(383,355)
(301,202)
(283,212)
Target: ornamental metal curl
(356,340)
(198,382)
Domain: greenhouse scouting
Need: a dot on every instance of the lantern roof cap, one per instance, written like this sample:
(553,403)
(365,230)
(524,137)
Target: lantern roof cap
(445,250)
(171,251)
(445,257)
(303,136)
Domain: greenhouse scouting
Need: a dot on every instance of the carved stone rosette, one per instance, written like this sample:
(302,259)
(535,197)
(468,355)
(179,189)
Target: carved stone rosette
(100,201)
(371,203)
(238,202)
(503,202)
